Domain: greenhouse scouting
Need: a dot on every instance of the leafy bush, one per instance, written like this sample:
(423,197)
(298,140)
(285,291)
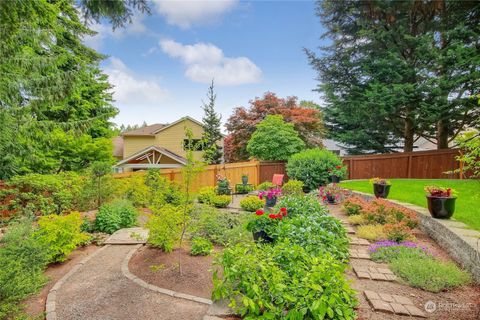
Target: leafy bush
(116,215)
(221,201)
(274,139)
(23,260)
(165,227)
(293,187)
(201,247)
(162,191)
(265,186)
(312,167)
(135,190)
(217,226)
(283,281)
(372,232)
(317,234)
(418,268)
(353,205)
(243,189)
(60,234)
(206,194)
(99,187)
(398,232)
(357,220)
(251,203)
(301,205)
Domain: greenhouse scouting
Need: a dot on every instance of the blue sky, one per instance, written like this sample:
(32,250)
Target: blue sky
(161,64)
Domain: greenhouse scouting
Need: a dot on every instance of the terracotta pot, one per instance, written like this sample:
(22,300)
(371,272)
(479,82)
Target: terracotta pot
(441,207)
(381,190)
(261,236)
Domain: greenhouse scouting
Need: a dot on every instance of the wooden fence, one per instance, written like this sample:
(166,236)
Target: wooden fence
(416,165)
(257,172)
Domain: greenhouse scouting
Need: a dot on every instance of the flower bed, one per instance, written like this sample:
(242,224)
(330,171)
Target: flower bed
(300,275)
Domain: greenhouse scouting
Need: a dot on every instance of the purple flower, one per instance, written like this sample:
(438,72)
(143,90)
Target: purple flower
(388,243)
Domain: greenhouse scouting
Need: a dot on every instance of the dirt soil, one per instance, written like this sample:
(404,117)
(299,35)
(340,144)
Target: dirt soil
(35,304)
(161,269)
(458,304)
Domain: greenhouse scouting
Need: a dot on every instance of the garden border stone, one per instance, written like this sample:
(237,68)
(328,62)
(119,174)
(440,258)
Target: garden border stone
(126,272)
(462,243)
(50,304)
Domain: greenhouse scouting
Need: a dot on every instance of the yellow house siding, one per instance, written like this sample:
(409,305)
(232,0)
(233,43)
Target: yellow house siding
(172,137)
(132,144)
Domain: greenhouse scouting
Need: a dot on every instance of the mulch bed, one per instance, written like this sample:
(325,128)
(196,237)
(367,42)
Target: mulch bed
(162,269)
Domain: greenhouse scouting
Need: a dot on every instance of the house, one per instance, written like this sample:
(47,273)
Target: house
(157,146)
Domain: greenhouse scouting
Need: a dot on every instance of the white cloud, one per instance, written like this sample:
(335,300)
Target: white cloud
(185,13)
(205,61)
(105,30)
(132,89)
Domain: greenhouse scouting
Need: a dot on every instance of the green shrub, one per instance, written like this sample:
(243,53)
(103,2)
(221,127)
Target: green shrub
(218,226)
(312,167)
(372,232)
(206,194)
(294,187)
(357,219)
(23,260)
(251,203)
(162,191)
(429,274)
(201,247)
(99,187)
(165,227)
(301,205)
(135,190)
(116,215)
(283,281)
(60,234)
(264,186)
(318,234)
(243,189)
(221,201)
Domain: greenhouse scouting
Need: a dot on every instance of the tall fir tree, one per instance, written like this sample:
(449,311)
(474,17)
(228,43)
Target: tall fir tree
(212,134)
(395,71)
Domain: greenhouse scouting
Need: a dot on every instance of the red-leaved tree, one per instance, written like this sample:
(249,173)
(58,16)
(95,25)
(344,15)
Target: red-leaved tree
(241,124)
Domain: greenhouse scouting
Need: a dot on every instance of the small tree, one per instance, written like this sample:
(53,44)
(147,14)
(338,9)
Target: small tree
(469,143)
(211,129)
(274,139)
(100,185)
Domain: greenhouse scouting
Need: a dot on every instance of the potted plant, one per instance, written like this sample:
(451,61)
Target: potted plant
(337,173)
(223,185)
(263,224)
(441,201)
(270,196)
(331,194)
(244,179)
(381,187)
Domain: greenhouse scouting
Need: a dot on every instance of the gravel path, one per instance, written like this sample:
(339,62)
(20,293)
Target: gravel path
(99,290)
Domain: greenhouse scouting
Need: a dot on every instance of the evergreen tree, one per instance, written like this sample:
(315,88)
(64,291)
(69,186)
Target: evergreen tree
(398,70)
(211,129)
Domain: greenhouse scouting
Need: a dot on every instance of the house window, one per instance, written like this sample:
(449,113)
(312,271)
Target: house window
(193,144)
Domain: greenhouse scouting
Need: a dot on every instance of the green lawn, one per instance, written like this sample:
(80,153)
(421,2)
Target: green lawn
(467,207)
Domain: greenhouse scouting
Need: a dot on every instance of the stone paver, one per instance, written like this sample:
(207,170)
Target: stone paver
(359,254)
(135,235)
(374,273)
(99,290)
(358,241)
(392,304)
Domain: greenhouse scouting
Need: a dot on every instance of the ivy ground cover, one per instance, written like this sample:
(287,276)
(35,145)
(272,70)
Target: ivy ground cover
(411,191)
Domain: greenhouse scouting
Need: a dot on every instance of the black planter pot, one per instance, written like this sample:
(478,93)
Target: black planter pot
(381,190)
(270,202)
(441,208)
(335,179)
(244,180)
(331,199)
(261,236)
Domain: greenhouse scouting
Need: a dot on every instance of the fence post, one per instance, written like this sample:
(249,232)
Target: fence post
(258,172)
(172,176)
(409,170)
(350,170)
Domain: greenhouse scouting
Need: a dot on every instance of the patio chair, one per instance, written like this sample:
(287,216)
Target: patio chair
(278,179)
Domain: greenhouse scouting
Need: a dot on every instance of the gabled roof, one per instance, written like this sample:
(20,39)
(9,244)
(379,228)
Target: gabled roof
(163,151)
(178,121)
(145,131)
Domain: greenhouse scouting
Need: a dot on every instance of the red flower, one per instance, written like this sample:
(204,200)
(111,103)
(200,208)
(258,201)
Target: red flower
(338,167)
(272,216)
(283,211)
(259,212)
